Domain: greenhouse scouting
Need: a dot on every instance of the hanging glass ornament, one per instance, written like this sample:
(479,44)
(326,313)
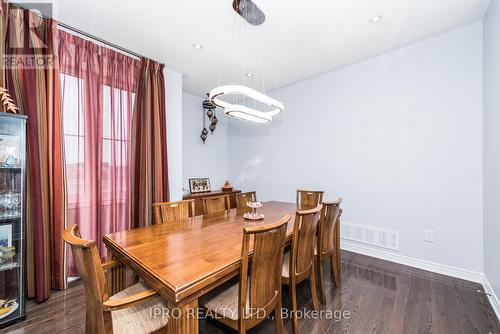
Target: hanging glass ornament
(212,127)
(204,132)
(210,113)
(204,135)
(214,120)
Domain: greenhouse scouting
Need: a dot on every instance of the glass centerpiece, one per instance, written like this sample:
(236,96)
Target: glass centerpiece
(253,215)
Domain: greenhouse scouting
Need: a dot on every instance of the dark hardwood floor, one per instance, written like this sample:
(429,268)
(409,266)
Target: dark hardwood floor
(381,297)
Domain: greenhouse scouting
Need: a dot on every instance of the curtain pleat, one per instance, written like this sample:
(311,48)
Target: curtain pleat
(149,144)
(35,89)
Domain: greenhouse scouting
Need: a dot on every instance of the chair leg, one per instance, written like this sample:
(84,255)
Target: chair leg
(241,327)
(321,283)
(293,302)
(335,269)
(312,284)
(280,329)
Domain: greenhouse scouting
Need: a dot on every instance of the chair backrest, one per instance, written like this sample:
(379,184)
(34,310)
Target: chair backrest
(328,220)
(309,199)
(243,198)
(173,211)
(216,204)
(89,266)
(265,272)
(303,240)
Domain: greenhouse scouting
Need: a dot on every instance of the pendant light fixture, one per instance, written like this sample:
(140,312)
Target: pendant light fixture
(240,93)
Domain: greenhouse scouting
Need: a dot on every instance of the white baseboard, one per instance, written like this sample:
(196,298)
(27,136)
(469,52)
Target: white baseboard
(388,255)
(495,303)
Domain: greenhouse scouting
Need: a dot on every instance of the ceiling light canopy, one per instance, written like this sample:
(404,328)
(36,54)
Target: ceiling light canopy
(237,110)
(376,19)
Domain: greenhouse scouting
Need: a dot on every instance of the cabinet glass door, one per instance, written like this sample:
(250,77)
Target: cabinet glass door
(12,198)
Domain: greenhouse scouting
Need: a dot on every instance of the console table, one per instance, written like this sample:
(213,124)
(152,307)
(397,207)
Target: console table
(198,199)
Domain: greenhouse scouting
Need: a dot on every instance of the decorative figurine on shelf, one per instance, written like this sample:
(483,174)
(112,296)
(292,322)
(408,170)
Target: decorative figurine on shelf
(7,104)
(7,255)
(9,151)
(227,186)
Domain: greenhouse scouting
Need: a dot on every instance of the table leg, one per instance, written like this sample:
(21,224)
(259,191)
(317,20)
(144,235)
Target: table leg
(183,320)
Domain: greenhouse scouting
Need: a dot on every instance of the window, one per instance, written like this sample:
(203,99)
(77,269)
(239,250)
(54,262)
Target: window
(73,126)
(108,159)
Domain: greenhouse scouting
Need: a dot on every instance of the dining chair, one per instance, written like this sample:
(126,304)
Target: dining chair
(244,304)
(308,199)
(128,311)
(298,262)
(173,211)
(328,243)
(216,204)
(243,198)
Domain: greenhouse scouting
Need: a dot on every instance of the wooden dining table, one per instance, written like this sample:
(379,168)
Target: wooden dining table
(185,259)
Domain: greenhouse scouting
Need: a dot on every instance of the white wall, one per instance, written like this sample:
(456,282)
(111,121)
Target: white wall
(203,160)
(492,145)
(399,136)
(173,95)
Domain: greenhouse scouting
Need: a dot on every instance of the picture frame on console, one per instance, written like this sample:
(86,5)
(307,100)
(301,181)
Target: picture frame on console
(199,185)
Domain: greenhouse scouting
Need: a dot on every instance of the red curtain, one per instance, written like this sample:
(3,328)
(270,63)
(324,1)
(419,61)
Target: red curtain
(35,88)
(149,144)
(98,88)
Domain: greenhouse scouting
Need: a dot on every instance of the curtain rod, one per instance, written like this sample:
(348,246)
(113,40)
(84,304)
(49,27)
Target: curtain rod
(78,31)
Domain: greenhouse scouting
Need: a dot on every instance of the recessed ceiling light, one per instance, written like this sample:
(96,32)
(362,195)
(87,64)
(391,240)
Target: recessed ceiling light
(197,46)
(376,19)
(250,75)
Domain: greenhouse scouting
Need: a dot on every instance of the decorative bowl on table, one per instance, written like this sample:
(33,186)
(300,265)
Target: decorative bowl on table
(253,215)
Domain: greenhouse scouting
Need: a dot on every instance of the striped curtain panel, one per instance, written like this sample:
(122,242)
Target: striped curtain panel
(149,144)
(4,21)
(35,88)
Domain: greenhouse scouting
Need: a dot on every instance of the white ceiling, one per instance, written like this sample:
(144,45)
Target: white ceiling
(299,39)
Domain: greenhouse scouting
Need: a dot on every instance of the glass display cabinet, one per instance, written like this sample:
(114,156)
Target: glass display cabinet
(12,198)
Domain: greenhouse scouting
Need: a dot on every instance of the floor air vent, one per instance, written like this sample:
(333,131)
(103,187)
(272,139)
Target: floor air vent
(370,235)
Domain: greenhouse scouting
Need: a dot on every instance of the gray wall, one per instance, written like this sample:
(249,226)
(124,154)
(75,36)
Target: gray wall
(492,145)
(399,136)
(203,160)
(173,97)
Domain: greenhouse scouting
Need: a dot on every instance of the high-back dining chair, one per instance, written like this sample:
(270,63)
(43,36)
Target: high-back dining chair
(309,199)
(243,198)
(128,311)
(243,305)
(173,211)
(298,263)
(328,243)
(216,204)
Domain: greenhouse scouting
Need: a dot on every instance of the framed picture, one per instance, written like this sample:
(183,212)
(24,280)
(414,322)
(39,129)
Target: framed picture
(6,235)
(199,185)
